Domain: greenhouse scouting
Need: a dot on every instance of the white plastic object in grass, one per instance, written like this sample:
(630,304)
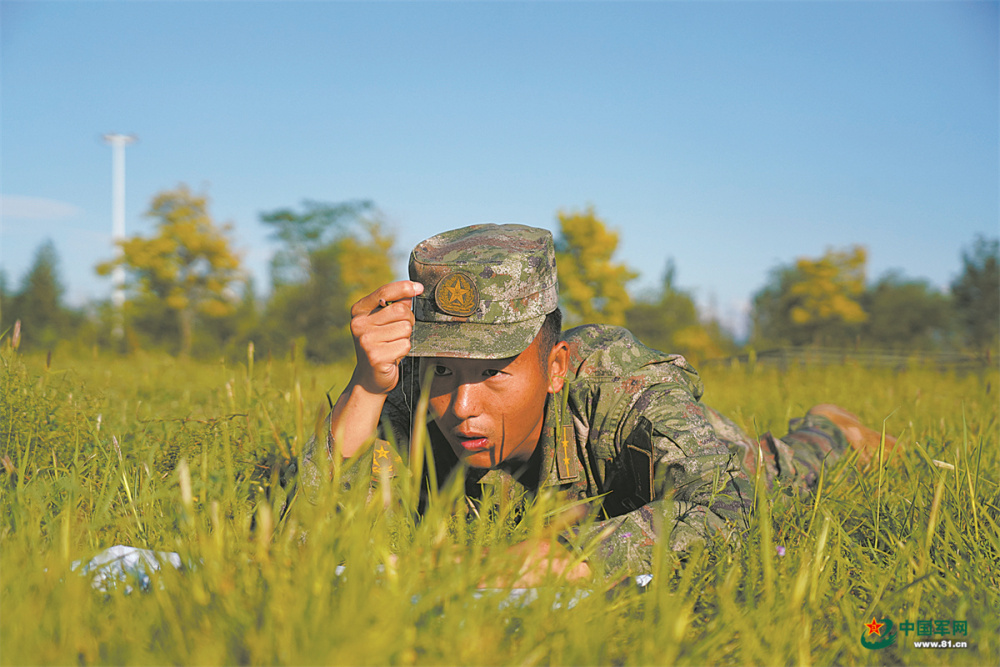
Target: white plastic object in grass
(132,565)
(126,565)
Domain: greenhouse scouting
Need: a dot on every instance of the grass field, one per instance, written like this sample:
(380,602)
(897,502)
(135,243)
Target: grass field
(184,456)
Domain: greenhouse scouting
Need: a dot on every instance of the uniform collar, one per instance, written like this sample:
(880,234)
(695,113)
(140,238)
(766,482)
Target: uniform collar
(560,461)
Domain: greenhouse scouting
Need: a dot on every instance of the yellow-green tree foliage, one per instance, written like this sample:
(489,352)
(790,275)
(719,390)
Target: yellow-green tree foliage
(366,259)
(591,285)
(188,265)
(829,288)
(818,301)
(331,255)
(668,320)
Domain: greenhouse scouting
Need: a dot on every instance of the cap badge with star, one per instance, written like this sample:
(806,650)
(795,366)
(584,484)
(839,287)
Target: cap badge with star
(457,295)
(488,289)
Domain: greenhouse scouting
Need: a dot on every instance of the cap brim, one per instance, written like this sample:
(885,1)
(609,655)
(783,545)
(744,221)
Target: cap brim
(468,340)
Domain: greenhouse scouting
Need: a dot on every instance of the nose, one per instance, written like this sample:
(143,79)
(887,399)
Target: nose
(466,403)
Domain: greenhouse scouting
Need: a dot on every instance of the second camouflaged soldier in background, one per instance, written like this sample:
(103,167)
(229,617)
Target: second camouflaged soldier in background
(590,412)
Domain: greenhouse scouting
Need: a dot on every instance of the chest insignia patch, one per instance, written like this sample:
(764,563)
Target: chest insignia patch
(456,294)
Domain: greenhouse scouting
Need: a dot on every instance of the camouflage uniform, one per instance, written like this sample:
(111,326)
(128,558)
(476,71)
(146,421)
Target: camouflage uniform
(627,425)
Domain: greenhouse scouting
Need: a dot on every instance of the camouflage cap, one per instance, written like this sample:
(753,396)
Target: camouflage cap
(487,290)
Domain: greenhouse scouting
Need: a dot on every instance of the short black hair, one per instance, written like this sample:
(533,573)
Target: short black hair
(548,336)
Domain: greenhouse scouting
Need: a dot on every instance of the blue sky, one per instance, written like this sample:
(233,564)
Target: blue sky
(730,137)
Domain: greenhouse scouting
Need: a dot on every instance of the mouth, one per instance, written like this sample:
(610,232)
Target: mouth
(473,443)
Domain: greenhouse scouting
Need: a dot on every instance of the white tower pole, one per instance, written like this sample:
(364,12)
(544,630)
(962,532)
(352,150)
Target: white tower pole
(118,143)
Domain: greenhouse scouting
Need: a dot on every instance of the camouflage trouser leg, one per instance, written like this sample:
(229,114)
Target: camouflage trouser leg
(815,441)
(795,459)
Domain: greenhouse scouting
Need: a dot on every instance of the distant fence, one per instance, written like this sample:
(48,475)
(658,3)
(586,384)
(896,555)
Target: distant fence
(803,356)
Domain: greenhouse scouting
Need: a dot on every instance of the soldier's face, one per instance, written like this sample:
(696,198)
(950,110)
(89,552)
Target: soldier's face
(492,410)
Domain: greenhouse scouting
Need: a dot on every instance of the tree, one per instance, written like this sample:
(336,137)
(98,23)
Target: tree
(188,267)
(816,301)
(331,256)
(906,314)
(233,331)
(591,285)
(668,320)
(977,294)
(306,233)
(4,301)
(38,303)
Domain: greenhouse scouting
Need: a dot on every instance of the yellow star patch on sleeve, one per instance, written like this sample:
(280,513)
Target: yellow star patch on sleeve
(383,461)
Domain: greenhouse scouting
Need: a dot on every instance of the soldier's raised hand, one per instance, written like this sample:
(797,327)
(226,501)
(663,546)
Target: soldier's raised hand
(381,324)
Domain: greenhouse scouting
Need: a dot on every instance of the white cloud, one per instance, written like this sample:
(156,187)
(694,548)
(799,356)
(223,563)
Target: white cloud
(14,207)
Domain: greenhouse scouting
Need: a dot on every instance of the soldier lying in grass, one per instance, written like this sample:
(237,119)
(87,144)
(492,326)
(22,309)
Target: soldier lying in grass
(591,412)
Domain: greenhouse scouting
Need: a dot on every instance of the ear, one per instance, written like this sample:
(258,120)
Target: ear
(558,366)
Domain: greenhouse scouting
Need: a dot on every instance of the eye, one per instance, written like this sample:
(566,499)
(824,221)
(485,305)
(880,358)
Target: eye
(441,371)
(491,372)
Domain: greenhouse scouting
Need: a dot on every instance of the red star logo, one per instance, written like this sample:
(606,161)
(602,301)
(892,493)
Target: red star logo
(874,628)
